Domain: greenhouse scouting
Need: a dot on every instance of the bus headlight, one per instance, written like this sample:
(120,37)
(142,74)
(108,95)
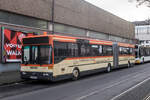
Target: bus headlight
(45,74)
(24,73)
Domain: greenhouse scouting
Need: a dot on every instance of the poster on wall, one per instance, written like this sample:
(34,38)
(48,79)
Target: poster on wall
(12,44)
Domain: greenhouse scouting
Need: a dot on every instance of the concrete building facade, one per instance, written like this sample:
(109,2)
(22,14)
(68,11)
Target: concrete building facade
(71,17)
(142,32)
(77,13)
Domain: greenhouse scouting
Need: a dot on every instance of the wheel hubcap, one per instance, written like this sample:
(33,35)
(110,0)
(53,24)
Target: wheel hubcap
(75,73)
(128,64)
(108,69)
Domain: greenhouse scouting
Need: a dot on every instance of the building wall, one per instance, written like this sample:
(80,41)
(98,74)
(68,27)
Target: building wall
(39,8)
(83,14)
(76,13)
(142,33)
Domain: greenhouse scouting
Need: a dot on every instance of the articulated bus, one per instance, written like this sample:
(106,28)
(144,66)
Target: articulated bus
(142,54)
(55,57)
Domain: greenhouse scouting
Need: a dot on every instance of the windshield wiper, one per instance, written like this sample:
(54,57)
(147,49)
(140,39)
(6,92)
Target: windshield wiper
(26,61)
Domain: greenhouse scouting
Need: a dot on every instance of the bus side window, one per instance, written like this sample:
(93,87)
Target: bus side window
(124,51)
(120,50)
(100,50)
(94,50)
(75,50)
(72,50)
(132,51)
(82,50)
(60,50)
(88,49)
(149,51)
(107,50)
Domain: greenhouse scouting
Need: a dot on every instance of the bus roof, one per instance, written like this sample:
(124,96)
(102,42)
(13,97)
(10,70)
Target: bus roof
(74,39)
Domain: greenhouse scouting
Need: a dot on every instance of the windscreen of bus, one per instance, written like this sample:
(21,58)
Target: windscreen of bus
(37,54)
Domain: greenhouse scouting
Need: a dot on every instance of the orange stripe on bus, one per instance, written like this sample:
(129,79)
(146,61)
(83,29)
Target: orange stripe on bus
(36,44)
(126,55)
(126,45)
(38,65)
(64,39)
(88,57)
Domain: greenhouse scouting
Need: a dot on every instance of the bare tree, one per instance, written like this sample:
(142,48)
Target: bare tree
(146,2)
(141,2)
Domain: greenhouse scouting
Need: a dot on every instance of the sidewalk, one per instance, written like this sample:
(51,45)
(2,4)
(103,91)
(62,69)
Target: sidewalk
(9,77)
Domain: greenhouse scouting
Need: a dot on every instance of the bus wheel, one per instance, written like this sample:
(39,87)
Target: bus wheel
(129,64)
(143,61)
(108,68)
(75,74)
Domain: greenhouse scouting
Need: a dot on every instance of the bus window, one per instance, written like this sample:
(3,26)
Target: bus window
(26,54)
(136,54)
(75,50)
(34,54)
(94,50)
(72,50)
(107,50)
(125,51)
(130,50)
(100,49)
(82,50)
(37,54)
(45,54)
(88,49)
(60,49)
(141,52)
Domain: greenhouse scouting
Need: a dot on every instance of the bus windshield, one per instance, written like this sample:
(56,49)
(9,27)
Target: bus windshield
(37,54)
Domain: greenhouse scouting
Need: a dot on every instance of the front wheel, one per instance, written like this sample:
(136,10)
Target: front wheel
(75,74)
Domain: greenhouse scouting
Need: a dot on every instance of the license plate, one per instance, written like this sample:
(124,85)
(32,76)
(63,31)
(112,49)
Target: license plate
(33,77)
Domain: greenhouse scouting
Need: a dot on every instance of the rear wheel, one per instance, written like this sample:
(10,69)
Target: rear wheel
(129,64)
(108,68)
(75,74)
(143,61)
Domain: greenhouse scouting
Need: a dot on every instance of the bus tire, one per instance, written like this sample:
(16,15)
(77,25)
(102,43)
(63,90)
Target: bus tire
(129,64)
(75,74)
(108,69)
(143,61)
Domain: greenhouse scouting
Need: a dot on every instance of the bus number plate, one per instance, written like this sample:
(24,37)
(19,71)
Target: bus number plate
(33,77)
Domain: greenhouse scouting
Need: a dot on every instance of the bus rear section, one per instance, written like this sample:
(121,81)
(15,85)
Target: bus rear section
(126,54)
(37,61)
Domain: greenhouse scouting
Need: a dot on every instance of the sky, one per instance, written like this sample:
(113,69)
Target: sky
(124,9)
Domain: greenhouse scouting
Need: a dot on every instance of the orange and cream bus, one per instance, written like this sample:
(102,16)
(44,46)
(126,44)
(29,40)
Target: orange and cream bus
(55,57)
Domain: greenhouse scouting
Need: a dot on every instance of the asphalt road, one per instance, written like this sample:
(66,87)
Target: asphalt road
(123,84)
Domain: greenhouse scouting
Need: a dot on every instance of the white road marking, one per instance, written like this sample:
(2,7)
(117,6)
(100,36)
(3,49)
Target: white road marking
(97,91)
(148,98)
(135,86)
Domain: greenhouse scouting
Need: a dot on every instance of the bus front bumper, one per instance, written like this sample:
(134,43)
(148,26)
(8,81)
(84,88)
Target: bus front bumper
(37,75)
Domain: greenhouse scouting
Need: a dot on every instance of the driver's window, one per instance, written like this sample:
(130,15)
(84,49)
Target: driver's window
(26,53)
(34,54)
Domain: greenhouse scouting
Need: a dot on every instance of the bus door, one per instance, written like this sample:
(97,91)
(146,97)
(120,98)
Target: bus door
(115,55)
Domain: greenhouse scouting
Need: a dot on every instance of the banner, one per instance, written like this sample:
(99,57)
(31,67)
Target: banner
(12,45)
